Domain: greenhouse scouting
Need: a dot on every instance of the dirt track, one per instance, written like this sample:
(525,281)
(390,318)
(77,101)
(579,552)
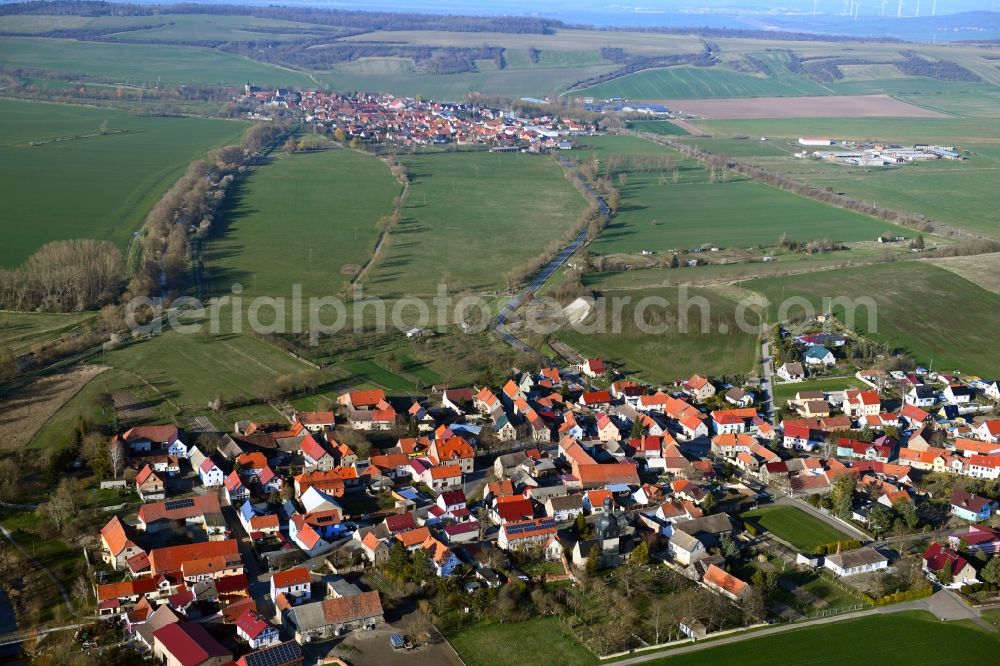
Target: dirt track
(839,106)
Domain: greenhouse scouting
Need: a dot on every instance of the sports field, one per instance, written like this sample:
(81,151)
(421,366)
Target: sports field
(471,217)
(916,638)
(306,219)
(667,353)
(95,186)
(910,299)
(794,526)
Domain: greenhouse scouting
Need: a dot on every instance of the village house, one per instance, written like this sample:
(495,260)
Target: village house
(288,653)
(149,485)
(154,439)
(698,388)
(820,356)
(332,617)
(968,506)
(188,644)
(791,372)
(593,367)
(295,584)
(116,545)
(725,583)
(853,562)
(523,534)
(255,630)
(938,558)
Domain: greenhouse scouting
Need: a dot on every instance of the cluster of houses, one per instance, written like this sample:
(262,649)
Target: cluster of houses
(637,464)
(407,121)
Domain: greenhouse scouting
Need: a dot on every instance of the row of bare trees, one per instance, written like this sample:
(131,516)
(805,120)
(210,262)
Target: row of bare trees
(187,210)
(64,276)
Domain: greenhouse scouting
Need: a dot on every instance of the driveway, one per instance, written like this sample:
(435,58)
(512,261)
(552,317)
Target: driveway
(767,405)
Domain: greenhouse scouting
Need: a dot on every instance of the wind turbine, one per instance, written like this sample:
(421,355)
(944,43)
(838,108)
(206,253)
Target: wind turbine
(918,8)
(816,2)
(882,13)
(934,8)
(899,10)
(857,8)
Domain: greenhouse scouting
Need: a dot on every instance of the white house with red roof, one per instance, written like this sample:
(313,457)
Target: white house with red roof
(306,536)
(255,630)
(859,404)
(593,367)
(315,455)
(988,431)
(211,475)
(236,492)
(693,427)
(295,584)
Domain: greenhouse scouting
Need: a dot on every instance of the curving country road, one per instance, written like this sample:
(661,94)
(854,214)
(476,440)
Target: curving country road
(500,321)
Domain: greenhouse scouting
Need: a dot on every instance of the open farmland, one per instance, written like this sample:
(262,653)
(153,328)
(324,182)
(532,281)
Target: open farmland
(143,63)
(21,331)
(856,106)
(958,193)
(794,526)
(660,215)
(306,219)
(191,370)
(702,82)
(471,217)
(79,183)
(910,297)
(917,638)
(671,353)
(981,269)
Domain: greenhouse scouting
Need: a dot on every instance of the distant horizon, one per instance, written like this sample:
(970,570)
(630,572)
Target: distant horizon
(790,16)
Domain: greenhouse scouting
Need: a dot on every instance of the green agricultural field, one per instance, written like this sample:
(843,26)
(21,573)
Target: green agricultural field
(93,187)
(657,127)
(20,331)
(658,214)
(701,83)
(795,526)
(910,297)
(673,353)
(917,638)
(783,391)
(144,63)
(472,217)
(306,219)
(540,641)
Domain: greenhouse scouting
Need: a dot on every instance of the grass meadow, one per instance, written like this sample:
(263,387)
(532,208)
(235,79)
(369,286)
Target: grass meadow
(794,526)
(539,641)
(784,391)
(471,217)
(673,353)
(926,311)
(657,127)
(307,219)
(93,187)
(917,638)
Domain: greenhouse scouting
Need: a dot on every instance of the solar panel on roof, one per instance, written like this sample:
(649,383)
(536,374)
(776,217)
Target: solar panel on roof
(179,504)
(276,655)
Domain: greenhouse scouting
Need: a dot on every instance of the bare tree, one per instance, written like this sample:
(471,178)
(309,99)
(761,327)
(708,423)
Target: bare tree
(116,456)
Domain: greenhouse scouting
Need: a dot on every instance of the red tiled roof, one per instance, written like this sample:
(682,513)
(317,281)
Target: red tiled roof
(189,643)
